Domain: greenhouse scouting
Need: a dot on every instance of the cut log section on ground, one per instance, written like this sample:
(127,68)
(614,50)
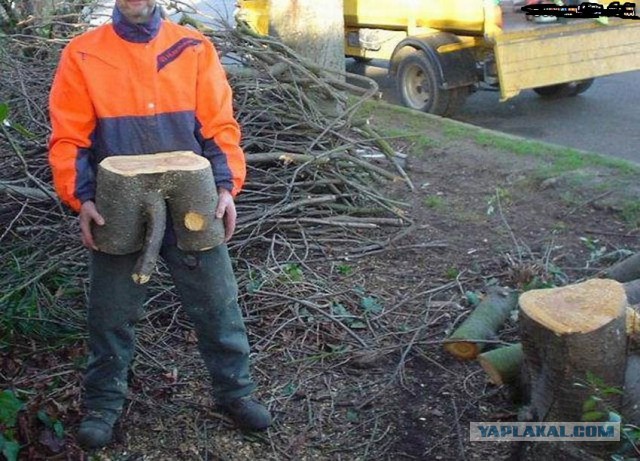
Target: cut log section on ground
(467,341)
(133,194)
(626,270)
(632,289)
(569,334)
(502,364)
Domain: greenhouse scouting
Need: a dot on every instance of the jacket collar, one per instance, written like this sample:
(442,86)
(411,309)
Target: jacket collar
(137,33)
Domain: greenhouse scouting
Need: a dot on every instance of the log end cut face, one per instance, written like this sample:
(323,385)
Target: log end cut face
(463,350)
(579,308)
(133,165)
(195,221)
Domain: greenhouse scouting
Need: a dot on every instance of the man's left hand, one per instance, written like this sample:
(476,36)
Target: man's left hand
(226,210)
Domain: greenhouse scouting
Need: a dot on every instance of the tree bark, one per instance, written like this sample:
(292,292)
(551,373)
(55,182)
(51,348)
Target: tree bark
(133,195)
(39,9)
(503,364)
(632,289)
(569,334)
(467,341)
(631,398)
(155,213)
(574,341)
(313,29)
(626,270)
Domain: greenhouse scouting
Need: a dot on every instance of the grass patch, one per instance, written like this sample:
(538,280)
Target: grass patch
(581,174)
(435,202)
(473,216)
(563,159)
(411,123)
(417,143)
(631,213)
(456,131)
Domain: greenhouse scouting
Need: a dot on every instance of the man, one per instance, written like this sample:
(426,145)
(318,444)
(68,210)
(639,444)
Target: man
(143,85)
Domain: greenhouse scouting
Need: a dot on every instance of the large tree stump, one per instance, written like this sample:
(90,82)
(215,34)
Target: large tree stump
(572,336)
(503,365)
(133,195)
(568,333)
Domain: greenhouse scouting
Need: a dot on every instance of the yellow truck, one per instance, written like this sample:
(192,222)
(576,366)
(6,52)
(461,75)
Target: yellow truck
(440,50)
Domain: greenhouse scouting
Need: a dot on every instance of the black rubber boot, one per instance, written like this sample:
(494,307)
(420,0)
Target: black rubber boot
(248,413)
(96,429)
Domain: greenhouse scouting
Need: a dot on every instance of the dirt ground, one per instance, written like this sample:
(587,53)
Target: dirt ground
(501,225)
(481,216)
(536,234)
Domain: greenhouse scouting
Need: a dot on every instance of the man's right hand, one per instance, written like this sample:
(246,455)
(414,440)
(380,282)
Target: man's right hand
(88,214)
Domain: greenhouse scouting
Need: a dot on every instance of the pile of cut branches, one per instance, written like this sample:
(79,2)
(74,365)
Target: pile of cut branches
(311,201)
(310,185)
(311,178)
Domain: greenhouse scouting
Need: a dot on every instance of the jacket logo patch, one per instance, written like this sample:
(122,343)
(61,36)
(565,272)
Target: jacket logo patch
(175,50)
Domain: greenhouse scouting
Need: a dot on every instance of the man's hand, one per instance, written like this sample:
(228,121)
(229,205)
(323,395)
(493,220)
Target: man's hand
(226,210)
(88,214)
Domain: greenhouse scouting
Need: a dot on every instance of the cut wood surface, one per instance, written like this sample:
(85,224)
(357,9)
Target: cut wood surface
(502,364)
(633,323)
(133,195)
(579,308)
(467,341)
(133,165)
(569,334)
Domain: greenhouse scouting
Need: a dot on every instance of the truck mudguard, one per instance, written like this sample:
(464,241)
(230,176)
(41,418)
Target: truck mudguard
(454,68)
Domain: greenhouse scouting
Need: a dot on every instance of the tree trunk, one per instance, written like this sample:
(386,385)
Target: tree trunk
(39,9)
(313,29)
(133,193)
(467,341)
(503,364)
(568,333)
(571,337)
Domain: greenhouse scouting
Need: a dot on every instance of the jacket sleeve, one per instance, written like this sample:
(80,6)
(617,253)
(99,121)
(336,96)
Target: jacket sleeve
(73,122)
(219,132)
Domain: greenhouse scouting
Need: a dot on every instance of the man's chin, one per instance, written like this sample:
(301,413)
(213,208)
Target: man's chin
(140,15)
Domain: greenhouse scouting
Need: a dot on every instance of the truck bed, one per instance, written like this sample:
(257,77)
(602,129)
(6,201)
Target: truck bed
(531,55)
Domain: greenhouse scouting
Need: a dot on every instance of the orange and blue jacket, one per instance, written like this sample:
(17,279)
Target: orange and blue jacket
(130,89)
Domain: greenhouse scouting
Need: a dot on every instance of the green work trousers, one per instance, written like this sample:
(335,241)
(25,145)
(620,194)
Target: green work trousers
(208,290)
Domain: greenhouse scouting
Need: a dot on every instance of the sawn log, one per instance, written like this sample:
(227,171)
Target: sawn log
(135,193)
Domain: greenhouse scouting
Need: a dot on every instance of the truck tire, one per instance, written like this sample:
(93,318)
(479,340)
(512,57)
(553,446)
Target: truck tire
(419,87)
(562,90)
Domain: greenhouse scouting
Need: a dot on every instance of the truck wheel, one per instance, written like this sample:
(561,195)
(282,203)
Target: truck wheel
(562,90)
(582,86)
(419,87)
